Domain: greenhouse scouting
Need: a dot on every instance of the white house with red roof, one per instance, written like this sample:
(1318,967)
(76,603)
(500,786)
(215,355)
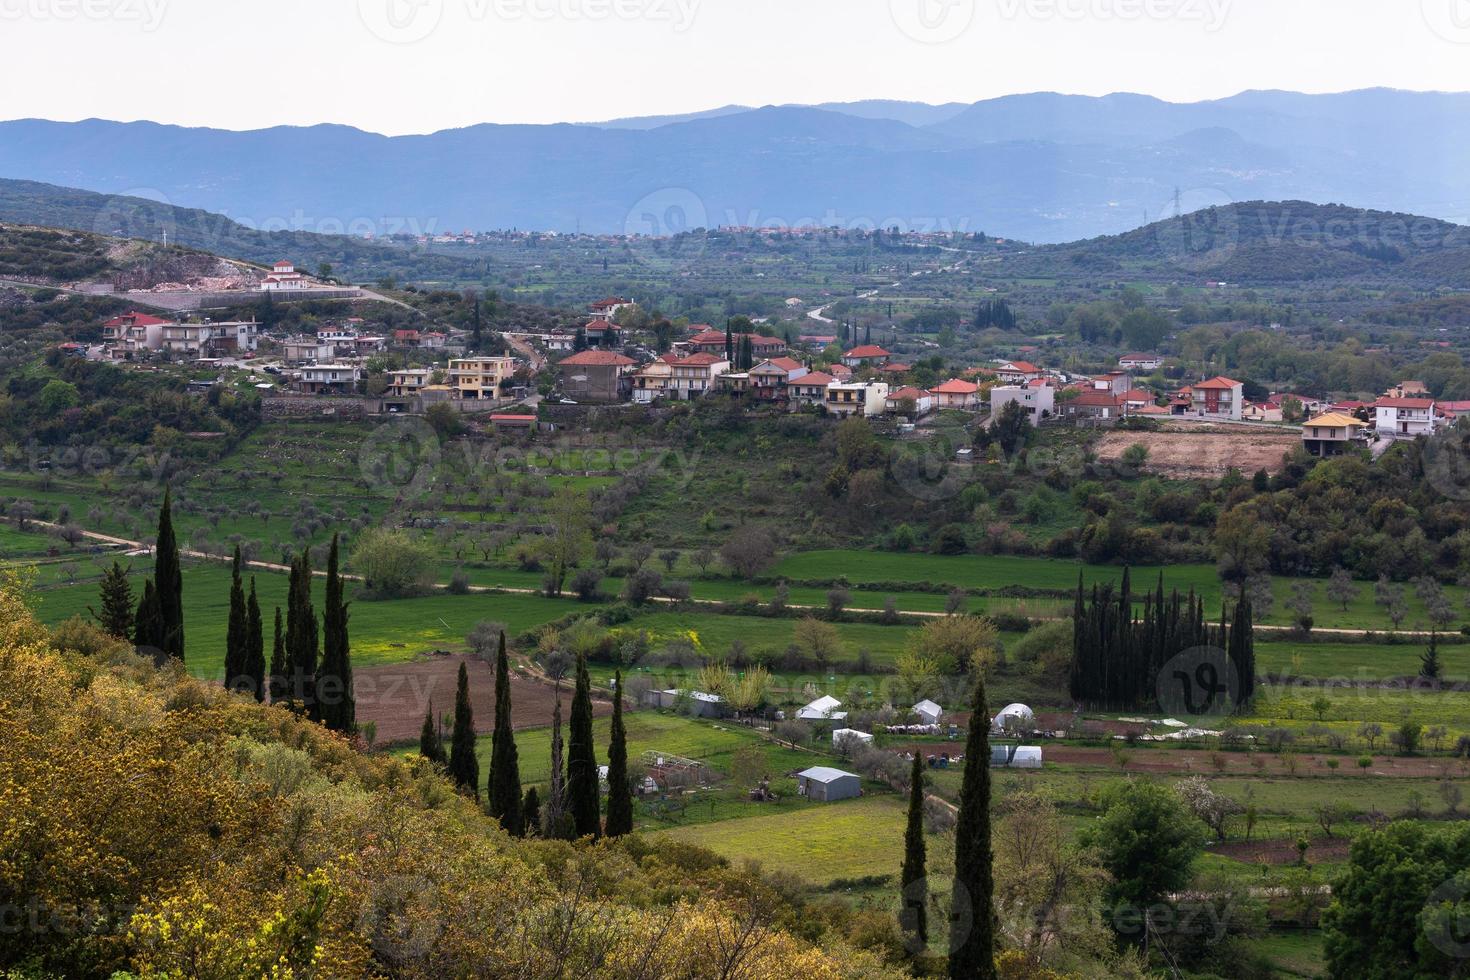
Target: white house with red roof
(695,375)
(133,333)
(1404,418)
(283,276)
(809,389)
(606,309)
(954,393)
(865,355)
(910,401)
(1218,398)
(1017,372)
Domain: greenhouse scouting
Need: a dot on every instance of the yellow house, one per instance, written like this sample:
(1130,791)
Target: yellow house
(1330,434)
(479,378)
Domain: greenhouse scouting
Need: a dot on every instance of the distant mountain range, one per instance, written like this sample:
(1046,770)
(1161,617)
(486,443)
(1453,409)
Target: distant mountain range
(1041,167)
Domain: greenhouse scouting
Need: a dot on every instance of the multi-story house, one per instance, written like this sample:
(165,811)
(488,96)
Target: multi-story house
(1218,398)
(963,395)
(308,350)
(652,380)
(862,398)
(1404,418)
(1017,372)
(480,378)
(1330,434)
(809,389)
(408,382)
(769,379)
(695,375)
(329,378)
(595,375)
(1037,401)
(133,334)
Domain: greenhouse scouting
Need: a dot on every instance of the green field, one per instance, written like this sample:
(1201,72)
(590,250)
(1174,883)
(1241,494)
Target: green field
(819,843)
(1355,661)
(381,632)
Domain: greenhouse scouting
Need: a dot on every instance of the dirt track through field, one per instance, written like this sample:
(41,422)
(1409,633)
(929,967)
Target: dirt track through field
(395,696)
(1203,455)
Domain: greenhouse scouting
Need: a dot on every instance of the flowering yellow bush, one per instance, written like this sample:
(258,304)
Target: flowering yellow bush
(154,824)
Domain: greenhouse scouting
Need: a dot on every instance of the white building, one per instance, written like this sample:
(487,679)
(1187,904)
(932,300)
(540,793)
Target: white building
(1036,402)
(339,378)
(1404,418)
(283,276)
(852,736)
(864,398)
(822,709)
(929,713)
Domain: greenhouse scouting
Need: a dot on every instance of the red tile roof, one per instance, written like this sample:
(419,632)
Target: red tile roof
(814,380)
(786,363)
(708,337)
(956,387)
(598,358)
(1024,367)
(907,394)
(1217,384)
(1404,403)
(700,360)
(134,318)
(1097,399)
(867,350)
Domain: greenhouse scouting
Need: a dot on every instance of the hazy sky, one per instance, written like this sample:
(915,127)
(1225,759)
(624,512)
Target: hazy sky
(414,66)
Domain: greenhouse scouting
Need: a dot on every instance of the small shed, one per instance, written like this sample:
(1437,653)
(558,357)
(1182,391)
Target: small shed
(827,785)
(929,713)
(822,709)
(701,705)
(852,735)
(1015,757)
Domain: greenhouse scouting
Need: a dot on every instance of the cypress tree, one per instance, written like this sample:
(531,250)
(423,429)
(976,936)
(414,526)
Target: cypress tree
(619,797)
(335,703)
(276,684)
(913,914)
(168,581)
(301,641)
(148,628)
(504,790)
(464,768)
(1429,666)
(236,630)
(116,595)
(254,669)
(531,809)
(557,824)
(430,745)
(974,885)
(583,797)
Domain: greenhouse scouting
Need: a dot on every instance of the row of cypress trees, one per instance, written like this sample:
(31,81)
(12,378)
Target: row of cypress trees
(1117,658)
(321,690)
(573,808)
